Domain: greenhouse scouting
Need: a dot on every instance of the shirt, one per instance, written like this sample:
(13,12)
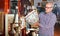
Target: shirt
(47,22)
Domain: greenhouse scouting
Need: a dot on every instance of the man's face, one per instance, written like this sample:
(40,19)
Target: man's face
(48,8)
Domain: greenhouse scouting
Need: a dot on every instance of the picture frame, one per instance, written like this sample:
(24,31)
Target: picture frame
(8,20)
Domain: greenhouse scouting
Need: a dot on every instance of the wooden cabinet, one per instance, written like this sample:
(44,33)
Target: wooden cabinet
(1,23)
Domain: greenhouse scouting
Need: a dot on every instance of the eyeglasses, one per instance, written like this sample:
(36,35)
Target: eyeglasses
(48,7)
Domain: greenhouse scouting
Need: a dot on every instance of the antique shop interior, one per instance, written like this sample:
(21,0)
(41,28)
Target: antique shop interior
(16,18)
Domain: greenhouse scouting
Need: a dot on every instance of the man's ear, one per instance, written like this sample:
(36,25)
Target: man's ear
(52,9)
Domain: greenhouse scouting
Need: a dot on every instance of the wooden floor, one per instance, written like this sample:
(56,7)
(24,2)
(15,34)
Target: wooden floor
(57,30)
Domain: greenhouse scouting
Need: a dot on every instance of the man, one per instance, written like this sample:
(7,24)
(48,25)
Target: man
(47,21)
(39,8)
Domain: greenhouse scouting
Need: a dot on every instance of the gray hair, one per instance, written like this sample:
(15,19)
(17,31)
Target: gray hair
(52,3)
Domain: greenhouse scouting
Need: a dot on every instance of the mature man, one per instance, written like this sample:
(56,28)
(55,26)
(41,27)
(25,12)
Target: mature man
(47,21)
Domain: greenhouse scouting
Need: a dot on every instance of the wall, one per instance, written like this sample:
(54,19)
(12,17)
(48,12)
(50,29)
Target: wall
(1,5)
(36,1)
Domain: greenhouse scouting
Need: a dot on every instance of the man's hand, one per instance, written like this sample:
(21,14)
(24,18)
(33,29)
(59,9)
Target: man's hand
(35,24)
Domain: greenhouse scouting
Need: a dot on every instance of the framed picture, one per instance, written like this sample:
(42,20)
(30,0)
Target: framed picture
(8,20)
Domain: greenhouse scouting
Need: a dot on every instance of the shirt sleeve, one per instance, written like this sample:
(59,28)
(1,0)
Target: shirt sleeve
(40,25)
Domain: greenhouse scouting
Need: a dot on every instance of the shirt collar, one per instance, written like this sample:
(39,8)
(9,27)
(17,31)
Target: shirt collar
(48,13)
